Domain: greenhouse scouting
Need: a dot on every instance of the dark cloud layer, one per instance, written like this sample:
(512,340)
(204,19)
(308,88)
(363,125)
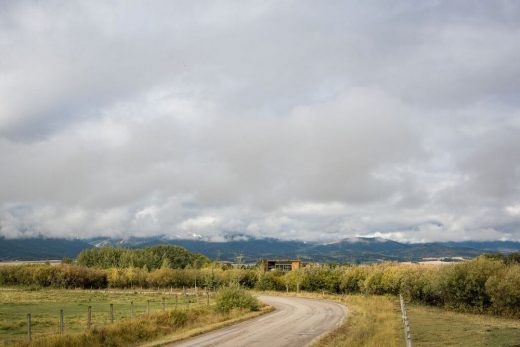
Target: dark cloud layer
(280,119)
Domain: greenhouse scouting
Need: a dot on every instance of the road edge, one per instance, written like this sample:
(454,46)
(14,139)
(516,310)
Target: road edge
(313,296)
(172,338)
(338,324)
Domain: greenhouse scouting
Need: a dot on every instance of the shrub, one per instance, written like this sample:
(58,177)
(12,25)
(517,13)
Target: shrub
(60,276)
(352,279)
(272,280)
(463,285)
(421,284)
(504,291)
(324,278)
(234,296)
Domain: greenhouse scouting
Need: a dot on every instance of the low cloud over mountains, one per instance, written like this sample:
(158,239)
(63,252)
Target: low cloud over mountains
(294,120)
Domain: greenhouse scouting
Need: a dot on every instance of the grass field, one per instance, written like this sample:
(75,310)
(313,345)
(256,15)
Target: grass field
(373,321)
(45,304)
(431,326)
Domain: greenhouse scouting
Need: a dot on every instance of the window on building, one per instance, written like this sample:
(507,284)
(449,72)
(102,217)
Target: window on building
(283,267)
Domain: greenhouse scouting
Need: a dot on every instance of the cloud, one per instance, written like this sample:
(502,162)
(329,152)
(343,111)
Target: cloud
(290,120)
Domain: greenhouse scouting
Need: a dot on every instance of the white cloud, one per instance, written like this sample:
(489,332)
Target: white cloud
(205,119)
(198,223)
(513,210)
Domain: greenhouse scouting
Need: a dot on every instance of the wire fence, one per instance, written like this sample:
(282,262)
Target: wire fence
(80,317)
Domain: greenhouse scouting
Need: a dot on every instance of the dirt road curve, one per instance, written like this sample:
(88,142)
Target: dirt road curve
(295,322)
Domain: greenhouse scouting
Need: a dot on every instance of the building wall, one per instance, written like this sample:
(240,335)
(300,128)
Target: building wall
(269,264)
(296,265)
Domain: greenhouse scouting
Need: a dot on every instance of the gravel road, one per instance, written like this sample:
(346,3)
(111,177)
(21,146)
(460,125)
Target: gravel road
(295,322)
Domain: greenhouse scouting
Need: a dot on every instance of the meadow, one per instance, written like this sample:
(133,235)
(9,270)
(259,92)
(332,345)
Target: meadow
(474,302)
(45,304)
(373,320)
(376,321)
(432,326)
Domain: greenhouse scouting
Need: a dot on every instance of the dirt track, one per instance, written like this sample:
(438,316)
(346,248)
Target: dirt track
(295,322)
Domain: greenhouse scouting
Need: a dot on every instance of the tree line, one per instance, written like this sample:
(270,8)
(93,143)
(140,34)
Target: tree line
(484,285)
(152,257)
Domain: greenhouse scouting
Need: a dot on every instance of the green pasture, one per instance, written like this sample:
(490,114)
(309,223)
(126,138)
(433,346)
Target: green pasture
(432,326)
(44,306)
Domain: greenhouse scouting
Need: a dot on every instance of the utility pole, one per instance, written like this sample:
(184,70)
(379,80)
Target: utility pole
(239,260)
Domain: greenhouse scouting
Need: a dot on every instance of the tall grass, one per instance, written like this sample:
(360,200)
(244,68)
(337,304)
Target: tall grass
(373,321)
(142,329)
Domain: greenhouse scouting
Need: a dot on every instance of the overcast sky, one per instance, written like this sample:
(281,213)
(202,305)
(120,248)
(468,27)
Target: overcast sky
(312,120)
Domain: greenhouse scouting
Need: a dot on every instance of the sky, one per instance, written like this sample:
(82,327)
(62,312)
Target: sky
(301,120)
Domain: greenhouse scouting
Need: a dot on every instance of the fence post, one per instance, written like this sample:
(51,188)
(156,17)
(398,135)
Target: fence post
(176,301)
(407,336)
(163,304)
(62,327)
(207,295)
(131,310)
(89,318)
(111,313)
(148,307)
(29,326)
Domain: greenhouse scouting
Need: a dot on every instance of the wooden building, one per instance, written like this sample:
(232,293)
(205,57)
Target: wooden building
(284,265)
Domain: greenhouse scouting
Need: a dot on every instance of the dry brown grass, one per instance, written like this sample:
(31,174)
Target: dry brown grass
(167,326)
(173,324)
(181,335)
(372,321)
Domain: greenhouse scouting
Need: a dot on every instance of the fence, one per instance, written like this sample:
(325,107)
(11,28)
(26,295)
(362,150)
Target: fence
(407,336)
(100,314)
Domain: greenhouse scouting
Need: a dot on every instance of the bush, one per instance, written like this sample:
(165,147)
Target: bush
(352,279)
(421,284)
(463,285)
(234,296)
(324,278)
(504,291)
(272,280)
(60,276)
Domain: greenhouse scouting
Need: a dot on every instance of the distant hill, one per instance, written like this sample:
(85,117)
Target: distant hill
(40,248)
(351,250)
(492,246)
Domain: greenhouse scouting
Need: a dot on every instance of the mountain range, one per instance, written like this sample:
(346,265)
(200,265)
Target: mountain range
(349,250)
